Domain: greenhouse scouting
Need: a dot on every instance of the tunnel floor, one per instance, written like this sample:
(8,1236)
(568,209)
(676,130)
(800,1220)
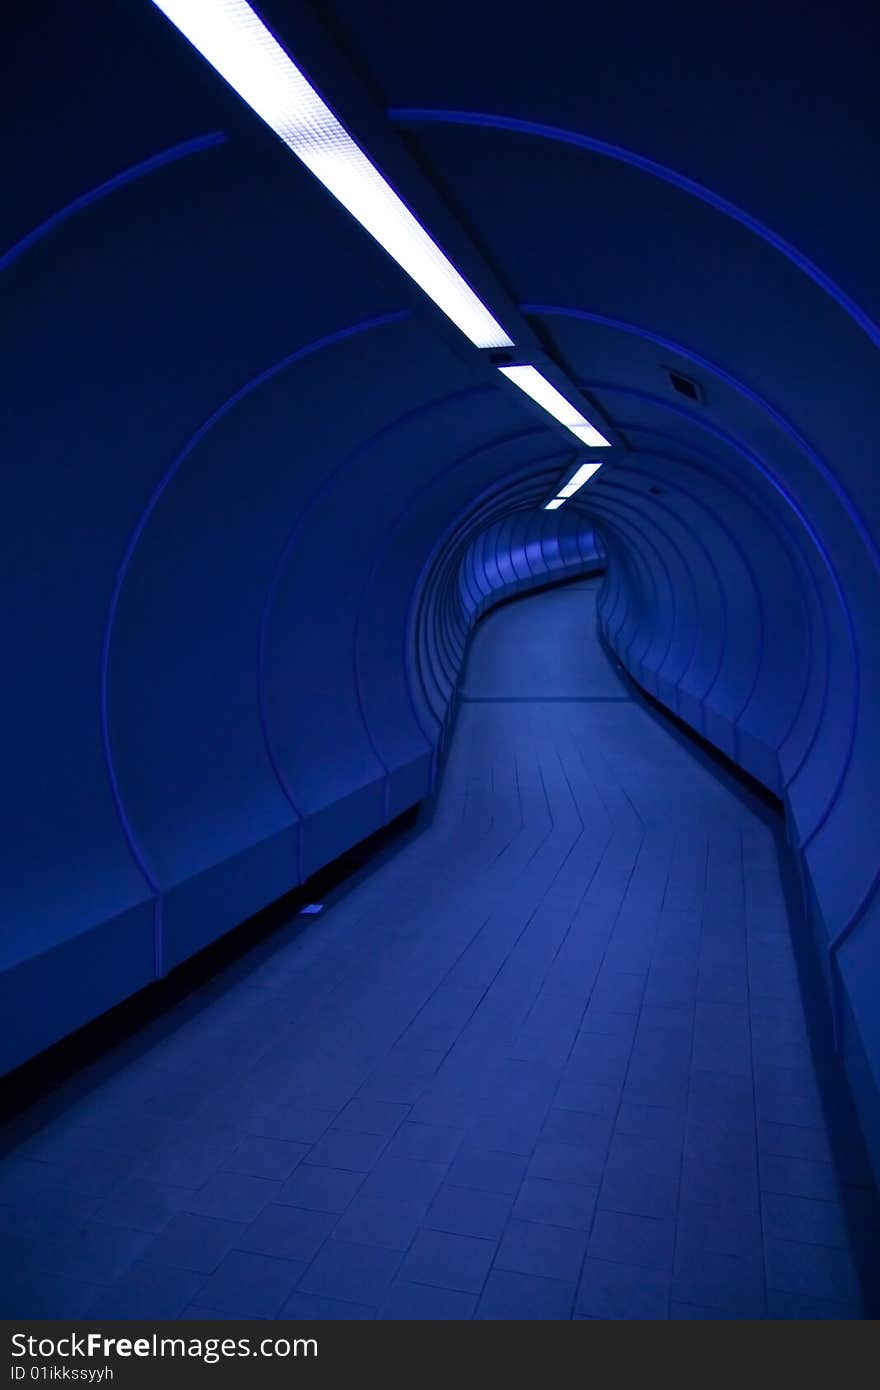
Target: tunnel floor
(549,1059)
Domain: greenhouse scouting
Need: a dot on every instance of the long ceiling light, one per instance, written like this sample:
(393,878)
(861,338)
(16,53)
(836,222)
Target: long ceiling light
(544,394)
(575,483)
(577,480)
(236,42)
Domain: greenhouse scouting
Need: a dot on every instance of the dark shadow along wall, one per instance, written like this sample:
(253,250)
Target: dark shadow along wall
(256,494)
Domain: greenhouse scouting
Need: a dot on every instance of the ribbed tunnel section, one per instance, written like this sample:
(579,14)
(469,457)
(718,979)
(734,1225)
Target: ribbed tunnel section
(259,491)
(551,1059)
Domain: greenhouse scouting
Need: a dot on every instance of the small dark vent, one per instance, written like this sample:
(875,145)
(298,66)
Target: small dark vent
(657,491)
(684,386)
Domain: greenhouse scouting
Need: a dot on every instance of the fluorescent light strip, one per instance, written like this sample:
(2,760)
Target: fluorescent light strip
(543,393)
(575,483)
(235,41)
(577,480)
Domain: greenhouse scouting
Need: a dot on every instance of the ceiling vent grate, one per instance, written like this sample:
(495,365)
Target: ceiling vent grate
(684,386)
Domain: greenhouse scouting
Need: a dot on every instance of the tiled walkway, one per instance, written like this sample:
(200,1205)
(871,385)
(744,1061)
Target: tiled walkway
(548,1060)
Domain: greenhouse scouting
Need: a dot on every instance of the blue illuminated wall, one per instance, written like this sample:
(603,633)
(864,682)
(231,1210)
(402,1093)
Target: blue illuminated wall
(257,497)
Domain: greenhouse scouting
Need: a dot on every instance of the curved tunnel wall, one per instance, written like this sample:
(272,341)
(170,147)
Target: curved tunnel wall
(257,498)
(468,573)
(513,554)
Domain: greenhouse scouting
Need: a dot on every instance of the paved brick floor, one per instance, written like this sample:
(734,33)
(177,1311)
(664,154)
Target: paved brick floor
(550,1059)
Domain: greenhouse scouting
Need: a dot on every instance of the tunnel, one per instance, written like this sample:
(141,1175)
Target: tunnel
(439,884)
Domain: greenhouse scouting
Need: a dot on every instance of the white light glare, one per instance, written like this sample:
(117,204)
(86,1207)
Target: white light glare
(530,380)
(577,480)
(235,41)
(557,502)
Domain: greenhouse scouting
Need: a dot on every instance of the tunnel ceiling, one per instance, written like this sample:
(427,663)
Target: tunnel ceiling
(241,447)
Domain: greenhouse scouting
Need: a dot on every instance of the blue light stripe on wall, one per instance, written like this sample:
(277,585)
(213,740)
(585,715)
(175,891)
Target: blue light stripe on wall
(723,205)
(103,190)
